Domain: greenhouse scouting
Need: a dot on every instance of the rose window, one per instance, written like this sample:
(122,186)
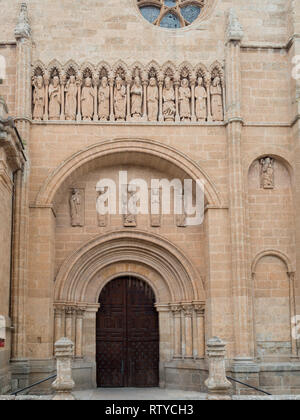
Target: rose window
(171,13)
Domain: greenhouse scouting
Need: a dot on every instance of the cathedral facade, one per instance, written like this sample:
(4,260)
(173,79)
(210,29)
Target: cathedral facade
(101,100)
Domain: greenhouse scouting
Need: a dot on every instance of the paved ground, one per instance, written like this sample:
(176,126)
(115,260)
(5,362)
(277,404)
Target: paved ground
(110,394)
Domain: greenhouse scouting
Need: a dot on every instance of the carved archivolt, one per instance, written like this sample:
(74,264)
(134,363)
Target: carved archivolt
(120,93)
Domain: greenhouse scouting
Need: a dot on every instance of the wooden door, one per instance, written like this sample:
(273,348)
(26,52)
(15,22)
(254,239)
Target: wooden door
(127,337)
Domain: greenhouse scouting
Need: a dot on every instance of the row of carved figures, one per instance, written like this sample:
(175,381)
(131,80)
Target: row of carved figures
(138,95)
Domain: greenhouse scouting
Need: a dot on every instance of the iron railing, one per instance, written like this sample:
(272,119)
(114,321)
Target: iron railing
(247,385)
(33,385)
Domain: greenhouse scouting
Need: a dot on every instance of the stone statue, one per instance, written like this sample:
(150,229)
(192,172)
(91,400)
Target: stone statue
(103,98)
(23,29)
(120,100)
(136,98)
(71,98)
(267,173)
(54,99)
(155,207)
(216,100)
(76,208)
(87,100)
(39,97)
(184,101)
(102,218)
(201,100)
(152,99)
(129,218)
(169,108)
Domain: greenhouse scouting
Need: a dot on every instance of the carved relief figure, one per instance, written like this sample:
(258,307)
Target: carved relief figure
(169,108)
(152,99)
(102,218)
(267,173)
(136,98)
(38,98)
(155,207)
(129,219)
(71,98)
(201,100)
(54,99)
(120,100)
(184,100)
(76,208)
(103,97)
(216,100)
(87,100)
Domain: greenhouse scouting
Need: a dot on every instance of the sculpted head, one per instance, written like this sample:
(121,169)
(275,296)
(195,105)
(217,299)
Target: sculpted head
(168,82)
(72,79)
(40,82)
(88,82)
(216,81)
(200,81)
(104,82)
(137,81)
(152,81)
(119,82)
(184,83)
(55,81)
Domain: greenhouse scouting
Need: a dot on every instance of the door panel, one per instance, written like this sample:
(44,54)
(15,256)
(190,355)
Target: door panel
(127,335)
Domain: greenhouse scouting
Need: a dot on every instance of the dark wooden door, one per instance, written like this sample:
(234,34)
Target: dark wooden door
(127,337)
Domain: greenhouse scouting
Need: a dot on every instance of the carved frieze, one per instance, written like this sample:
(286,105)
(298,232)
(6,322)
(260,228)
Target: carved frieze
(134,94)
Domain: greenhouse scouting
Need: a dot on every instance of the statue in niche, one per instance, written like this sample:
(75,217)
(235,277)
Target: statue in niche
(103,98)
(184,101)
(87,100)
(201,100)
(76,208)
(102,218)
(267,173)
(136,98)
(71,98)
(155,208)
(129,218)
(169,108)
(216,100)
(39,97)
(152,99)
(120,100)
(54,99)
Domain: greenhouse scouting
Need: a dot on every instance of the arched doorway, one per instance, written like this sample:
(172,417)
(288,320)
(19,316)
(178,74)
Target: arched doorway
(127,335)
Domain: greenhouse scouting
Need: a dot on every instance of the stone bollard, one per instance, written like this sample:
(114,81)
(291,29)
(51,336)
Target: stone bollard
(64,384)
(219,388)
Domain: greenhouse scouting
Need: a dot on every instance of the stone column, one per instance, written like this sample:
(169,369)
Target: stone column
(58,315)
(188,318)
(64,384)
(218,386)
(79,333)
(199,336)
(176,309)
(207,82)
(21,205)
(241,279)
(69,311)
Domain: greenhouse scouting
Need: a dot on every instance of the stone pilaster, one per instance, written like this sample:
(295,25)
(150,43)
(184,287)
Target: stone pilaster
(21,206)
(238,221)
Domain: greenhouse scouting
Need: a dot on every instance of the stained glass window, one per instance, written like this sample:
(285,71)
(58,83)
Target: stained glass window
(171,13)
